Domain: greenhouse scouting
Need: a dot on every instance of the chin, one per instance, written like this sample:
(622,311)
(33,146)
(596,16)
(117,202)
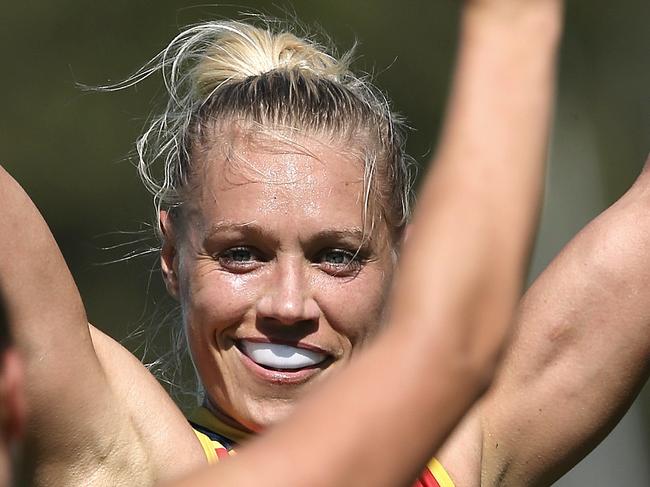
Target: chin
(267,413)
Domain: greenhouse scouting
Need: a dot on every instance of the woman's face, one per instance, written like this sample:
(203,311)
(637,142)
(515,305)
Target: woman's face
(277,285)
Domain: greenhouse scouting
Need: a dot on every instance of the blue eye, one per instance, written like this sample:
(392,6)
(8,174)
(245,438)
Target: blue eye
(340,262)
(240,254)
(337,257)
(239,259)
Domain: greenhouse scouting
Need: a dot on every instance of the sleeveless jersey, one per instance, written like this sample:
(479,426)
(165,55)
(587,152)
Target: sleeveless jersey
(220,440)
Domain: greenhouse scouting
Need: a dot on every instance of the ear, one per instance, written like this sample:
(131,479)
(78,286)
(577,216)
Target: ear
(169,253)
(12,395)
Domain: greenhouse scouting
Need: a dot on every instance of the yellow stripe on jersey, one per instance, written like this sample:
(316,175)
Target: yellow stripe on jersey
(204,418)
(440,473)
(208,446)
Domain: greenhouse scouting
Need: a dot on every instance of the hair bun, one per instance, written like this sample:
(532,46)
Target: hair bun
(239,51)
(217,71)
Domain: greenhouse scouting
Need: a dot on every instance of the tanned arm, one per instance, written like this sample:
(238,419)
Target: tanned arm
(581,352)
(89,400)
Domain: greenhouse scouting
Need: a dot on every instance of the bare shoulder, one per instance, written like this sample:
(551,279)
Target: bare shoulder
(169,441)
(138,437)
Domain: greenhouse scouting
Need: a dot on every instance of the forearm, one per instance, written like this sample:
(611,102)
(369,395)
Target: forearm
(495,136)
(482,200)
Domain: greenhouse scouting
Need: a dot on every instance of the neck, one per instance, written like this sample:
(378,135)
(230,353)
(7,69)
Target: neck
(224,418)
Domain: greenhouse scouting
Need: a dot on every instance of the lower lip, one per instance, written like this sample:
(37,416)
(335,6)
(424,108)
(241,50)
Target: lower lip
(287,377)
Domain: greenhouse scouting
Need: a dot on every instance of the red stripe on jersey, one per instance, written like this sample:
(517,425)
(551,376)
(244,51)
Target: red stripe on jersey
(426,480)
(221,453)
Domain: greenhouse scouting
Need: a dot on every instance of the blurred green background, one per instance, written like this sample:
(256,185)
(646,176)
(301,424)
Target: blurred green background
(70,149)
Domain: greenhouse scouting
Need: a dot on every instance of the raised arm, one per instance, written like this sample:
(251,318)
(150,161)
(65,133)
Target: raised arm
(581,353)
(460,278)
(48,320)
(83,396)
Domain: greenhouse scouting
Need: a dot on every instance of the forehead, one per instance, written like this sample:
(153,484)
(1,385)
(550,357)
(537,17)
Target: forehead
(255,177)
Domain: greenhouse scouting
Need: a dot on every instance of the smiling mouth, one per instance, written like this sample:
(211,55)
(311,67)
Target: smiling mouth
(281,357)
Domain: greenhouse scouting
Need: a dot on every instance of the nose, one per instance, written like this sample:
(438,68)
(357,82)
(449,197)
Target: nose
(288,298)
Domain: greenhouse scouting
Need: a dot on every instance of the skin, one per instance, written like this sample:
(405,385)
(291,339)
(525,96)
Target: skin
(591,348)
(273,250)
(446,311)
(12,409)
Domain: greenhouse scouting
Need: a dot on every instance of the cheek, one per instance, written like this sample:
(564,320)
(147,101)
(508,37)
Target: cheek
(355,308)
(213,300)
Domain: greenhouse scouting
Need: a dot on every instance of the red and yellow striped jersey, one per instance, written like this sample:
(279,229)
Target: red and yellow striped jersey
(219,441)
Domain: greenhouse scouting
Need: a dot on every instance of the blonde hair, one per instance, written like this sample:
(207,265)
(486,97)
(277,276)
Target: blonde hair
(222,71)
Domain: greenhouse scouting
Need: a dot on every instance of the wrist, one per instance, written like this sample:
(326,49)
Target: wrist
(525,20)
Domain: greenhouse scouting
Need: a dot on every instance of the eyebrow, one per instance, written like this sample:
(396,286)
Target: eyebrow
(228,226)
(354,234)
(251,228)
